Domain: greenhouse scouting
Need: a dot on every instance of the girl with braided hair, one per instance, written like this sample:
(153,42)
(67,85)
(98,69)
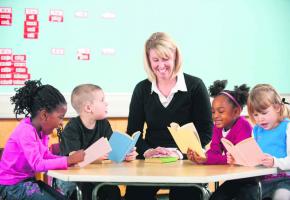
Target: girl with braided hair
(26,151)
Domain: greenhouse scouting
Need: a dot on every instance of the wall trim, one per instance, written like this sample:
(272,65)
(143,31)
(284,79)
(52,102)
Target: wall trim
(118,105)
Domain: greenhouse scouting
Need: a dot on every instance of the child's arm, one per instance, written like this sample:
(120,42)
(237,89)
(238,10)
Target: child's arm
(230,159)
(241,130)
(47,153)
(35,156)
(76,157)
(268,160)
(194,157)
(284,163)
(215,153)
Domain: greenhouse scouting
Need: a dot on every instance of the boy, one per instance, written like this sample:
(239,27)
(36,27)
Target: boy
(82,131)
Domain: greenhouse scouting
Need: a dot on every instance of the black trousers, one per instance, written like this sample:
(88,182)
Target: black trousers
(106,192)
(149,193)
(241,189)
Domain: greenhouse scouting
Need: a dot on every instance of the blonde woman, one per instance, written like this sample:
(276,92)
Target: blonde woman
(168,95)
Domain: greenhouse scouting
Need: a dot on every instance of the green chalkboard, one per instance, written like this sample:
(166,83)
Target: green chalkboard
(244,41)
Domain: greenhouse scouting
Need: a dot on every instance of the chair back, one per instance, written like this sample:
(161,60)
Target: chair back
(54,148)
(1,151)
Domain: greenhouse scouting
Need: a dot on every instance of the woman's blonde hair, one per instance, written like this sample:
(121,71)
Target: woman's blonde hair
(164,46)
(263,96)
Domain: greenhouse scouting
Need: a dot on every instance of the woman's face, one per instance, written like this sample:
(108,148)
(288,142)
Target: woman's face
(162,67)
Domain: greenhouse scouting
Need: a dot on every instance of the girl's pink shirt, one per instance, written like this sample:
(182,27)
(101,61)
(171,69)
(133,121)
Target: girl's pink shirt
(241,130)
(25,153)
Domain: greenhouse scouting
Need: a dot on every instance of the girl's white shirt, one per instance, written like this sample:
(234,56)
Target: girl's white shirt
(225,133)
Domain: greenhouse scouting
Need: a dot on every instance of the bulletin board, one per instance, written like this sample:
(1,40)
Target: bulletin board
(69,42)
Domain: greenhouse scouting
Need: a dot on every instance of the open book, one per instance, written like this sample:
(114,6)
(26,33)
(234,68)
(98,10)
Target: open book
(161,160)
(246,152)
(121,144)
(95,151)
(186,137)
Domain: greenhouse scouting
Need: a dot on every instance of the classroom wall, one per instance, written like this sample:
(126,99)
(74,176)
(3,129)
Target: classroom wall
(240,40)
(244,41)
(118,105)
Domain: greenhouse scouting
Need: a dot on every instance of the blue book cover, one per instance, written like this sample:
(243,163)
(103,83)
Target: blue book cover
(121,144)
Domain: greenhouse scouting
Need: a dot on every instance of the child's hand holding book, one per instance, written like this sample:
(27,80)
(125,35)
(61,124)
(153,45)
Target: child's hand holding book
(75,157)
(267,160)
(195,157)
(131,155)
(230,159)
(185,137)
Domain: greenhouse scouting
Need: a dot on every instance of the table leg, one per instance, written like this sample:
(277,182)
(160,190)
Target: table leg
(79,193)
(96,189)
(216,185)
(260,191)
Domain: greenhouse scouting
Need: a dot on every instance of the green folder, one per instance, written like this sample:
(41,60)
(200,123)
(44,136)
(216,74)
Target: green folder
(161,160)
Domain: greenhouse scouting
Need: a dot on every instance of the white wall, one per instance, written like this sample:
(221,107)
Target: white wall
(118,105)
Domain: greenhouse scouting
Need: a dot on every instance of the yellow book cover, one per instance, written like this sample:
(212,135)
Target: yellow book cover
(186,136)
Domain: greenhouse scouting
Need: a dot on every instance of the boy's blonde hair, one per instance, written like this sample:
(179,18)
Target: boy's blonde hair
(163,45)
(82,94)
(261,97)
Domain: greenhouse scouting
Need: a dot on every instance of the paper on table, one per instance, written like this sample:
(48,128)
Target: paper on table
(95,151)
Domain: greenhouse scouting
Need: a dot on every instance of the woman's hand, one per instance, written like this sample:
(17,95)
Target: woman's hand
(195,157)
(230,159)
(75,157)
(131,155)
(161,151)
(267,160)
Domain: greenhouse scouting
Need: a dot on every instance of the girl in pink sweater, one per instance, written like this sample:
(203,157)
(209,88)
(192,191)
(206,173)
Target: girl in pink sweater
(26,151)
(226,109)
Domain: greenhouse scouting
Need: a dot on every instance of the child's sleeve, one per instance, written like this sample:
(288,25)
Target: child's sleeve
(284,163)
(215,153)
(34,155)
(243,131)
(48,154)
(70,139)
